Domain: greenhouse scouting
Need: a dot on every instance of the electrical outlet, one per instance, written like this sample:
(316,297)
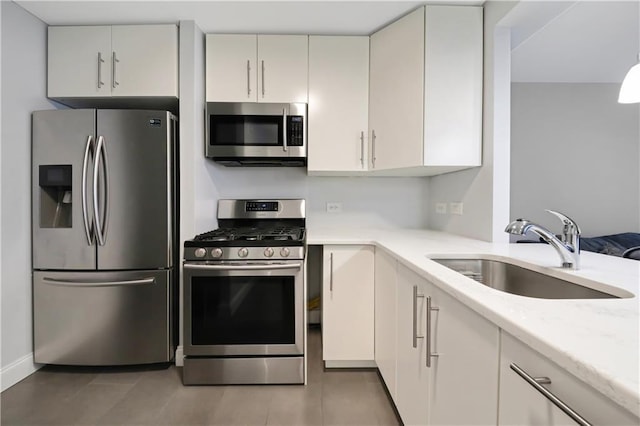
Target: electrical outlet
(455,208)
(441,208)
(334,207)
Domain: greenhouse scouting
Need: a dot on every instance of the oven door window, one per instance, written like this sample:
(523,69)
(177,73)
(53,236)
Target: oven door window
(246,130)
(236,310)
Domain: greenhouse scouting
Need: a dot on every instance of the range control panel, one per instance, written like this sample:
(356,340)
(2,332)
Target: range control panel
(261,206)
(295,130)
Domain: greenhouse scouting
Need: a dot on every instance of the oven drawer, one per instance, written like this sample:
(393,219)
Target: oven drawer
(243,309)
(102,318)
(243,371)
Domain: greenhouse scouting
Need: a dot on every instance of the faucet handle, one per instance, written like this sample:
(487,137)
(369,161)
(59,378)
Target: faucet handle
(570,225)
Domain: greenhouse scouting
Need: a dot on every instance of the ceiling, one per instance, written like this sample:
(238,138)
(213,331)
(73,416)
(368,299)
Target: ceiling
(575,41)
(265,17)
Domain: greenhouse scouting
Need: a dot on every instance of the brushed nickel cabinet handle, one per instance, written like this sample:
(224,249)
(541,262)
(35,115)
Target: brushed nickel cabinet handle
(100,62)
(362,149)
(373,148)
(537,383)
(331,272)
(428,352)
(263,78)
(248,78)
(415,316)
(114,61)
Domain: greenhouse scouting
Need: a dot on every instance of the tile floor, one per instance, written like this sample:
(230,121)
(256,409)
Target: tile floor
(152,396)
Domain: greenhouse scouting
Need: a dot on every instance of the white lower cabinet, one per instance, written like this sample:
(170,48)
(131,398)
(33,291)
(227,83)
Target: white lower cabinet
(385,318)
(347,306)
(447,358)
(522,404)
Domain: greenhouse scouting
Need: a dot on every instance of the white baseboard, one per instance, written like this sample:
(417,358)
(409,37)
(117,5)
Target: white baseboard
(179,356)
(17,370)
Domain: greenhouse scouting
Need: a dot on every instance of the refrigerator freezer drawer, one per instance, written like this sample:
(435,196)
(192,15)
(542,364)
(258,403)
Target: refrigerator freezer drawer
(102,318)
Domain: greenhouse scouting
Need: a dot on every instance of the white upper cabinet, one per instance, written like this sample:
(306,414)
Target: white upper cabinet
(231,68)
(262,68)
(425,107)
(396,93)
(283,68)
(453,87)
(146,60)
(338,104)
(79,61)
(112,61)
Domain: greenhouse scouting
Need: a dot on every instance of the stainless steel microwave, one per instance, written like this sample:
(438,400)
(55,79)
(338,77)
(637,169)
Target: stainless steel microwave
(256,134)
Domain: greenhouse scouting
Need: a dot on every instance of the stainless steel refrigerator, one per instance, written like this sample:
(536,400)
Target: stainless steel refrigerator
(104,236)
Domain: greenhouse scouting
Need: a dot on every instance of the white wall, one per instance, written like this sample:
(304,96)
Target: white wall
(23,91)
(366,201)
(575,149)
(191,116)
(485,190)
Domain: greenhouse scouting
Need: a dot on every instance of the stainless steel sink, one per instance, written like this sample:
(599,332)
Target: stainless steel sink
(515,279)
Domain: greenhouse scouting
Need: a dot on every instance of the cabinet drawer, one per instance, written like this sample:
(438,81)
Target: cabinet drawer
(521,404)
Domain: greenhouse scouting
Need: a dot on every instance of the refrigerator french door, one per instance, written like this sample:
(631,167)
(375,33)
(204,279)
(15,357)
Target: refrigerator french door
(103,236)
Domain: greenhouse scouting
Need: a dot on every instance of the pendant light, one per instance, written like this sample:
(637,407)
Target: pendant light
(630,88)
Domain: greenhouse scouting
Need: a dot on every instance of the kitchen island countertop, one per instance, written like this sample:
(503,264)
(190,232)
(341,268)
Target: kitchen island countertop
(596,340)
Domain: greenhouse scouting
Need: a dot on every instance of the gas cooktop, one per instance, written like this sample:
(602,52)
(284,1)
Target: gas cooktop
(252,230)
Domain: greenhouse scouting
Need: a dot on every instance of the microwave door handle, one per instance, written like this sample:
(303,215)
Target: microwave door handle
(284,129)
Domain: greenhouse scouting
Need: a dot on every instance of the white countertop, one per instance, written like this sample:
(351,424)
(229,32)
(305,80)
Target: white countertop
(596,339)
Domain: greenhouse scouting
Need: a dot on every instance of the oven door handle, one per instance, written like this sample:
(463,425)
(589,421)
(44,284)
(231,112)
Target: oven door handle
(265,267)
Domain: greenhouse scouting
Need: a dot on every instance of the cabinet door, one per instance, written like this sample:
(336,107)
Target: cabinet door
(467,348)
(144,60)
(79,61)
(385,318)
(347,304)
(283,68)
(231,68)
(453,86)
(521,404)
(412,392)
(338,103)
(396,101)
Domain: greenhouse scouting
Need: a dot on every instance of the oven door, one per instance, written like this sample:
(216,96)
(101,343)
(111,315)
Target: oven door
(242,131)
(243,308)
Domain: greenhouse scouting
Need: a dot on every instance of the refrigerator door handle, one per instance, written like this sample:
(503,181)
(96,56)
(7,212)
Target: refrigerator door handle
(88,151)
(101,225)
(72,283)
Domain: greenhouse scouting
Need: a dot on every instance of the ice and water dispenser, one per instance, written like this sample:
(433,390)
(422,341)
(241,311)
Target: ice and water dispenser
(55,196)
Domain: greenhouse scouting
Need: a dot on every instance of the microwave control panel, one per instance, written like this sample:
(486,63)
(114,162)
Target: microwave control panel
(295,130)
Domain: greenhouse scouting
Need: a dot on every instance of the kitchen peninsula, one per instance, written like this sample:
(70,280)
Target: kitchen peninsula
(594,340)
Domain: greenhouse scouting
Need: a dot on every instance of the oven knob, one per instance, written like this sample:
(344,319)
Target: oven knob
(200,252)
(216,252)
(268,252)
(243,252)
(284,252)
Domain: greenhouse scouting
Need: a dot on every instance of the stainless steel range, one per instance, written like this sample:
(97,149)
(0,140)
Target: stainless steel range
(244,295)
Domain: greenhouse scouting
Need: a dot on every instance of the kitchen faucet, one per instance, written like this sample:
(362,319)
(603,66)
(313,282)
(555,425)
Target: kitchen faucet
(568,247)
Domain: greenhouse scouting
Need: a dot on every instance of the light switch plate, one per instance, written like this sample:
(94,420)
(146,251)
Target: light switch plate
(441,208)
(455,208)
